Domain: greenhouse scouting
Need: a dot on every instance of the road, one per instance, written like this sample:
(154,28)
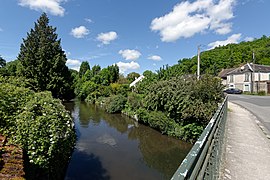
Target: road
(257,105)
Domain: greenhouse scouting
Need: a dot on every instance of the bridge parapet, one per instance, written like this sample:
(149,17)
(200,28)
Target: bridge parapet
(203,160)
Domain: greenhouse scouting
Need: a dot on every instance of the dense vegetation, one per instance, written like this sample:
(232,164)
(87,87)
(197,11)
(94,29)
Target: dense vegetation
(37,122)
(172,100)
(29,114)
(213,61)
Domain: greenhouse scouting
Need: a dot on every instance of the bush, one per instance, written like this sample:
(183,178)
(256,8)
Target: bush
(134,101)
(39,124)
(115,104)
(156,119)
(261,93)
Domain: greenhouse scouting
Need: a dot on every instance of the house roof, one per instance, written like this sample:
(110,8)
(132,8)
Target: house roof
(249,67)
(136,81)
(223,73)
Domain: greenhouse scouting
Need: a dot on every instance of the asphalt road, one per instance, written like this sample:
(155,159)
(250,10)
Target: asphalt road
(257,105)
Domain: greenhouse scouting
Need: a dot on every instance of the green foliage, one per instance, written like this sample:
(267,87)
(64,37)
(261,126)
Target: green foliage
(222,57)
(132,76)
(261,93)
(191,132)
(83,68)
(134,101)
(43,60)
(95,83)
(115,104)
(37,122)
(156,119)
(185,99)
(2,62)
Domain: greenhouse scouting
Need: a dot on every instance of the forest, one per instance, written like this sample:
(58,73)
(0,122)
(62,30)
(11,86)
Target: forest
(171,100)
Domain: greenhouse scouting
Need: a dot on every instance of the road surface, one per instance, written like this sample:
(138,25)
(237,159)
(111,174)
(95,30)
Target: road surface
(257,105)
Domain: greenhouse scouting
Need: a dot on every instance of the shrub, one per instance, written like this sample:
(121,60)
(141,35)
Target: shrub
(40,124)
(261,93)
(115,103)
(134,101)
(156,119)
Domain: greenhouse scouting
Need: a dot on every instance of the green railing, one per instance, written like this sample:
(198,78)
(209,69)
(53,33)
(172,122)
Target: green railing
(203,160)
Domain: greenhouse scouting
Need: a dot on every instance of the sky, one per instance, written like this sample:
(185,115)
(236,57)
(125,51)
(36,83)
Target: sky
(136,35)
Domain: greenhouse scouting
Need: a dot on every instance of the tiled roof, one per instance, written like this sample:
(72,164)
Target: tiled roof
(250,68)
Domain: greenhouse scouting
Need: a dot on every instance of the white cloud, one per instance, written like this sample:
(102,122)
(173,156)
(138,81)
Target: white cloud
(74,64)
(79,32)
(51,6)
(155,58)
(88,20)
(123,67)
(129,54)
(233,39)
(106,38)
(186,19)
(247,39)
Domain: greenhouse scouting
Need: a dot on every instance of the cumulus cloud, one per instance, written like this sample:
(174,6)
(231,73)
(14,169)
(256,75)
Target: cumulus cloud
(129,54)
(51,6)
(233,39)
(106,38)
(123,67)
(155,58)
(74,64)
(79,32)
(188,18)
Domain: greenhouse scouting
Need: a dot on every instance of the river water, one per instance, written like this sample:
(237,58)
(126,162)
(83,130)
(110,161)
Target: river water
(113,146)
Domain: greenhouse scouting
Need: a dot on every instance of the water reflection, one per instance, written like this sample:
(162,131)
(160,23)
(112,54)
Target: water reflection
(121,148)
(94,168)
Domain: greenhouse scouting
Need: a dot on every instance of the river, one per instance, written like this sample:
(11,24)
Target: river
(113,146)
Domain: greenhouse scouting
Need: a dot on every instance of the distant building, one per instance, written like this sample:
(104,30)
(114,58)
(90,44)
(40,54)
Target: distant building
(248,77)
(133,84)
(223,75)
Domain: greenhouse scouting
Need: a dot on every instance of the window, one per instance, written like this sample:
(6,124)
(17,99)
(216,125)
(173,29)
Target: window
(231,78)
(247,77)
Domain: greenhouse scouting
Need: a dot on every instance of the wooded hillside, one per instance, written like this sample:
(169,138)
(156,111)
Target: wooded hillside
(213,61)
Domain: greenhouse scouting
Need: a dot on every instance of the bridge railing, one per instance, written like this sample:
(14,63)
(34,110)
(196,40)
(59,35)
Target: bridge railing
(203,160)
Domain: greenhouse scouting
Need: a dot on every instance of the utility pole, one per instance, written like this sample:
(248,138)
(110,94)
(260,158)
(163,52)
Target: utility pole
(252,73)
(198,63)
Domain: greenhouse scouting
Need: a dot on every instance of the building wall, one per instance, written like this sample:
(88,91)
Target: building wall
(238,81)
(263,76)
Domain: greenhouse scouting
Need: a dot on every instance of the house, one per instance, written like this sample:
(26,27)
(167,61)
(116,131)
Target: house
(136,81)
(223,75)
(249,78)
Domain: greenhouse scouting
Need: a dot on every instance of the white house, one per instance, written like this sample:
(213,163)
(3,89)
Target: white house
(249,78)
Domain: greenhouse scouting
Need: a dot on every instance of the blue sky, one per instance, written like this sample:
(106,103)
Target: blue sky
(137,35)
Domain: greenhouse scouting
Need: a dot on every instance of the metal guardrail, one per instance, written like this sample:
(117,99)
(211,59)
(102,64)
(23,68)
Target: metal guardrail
(203,160)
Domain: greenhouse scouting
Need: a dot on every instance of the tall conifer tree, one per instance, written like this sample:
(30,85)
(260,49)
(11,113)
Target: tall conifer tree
(44,61)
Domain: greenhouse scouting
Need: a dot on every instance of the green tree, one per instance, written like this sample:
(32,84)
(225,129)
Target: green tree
(132,76)
(83,68)
(2,62)
(44,61)
(96,69)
